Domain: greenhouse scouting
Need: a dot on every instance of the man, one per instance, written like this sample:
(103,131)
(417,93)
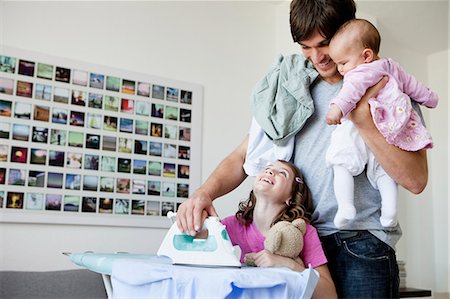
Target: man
(361,258)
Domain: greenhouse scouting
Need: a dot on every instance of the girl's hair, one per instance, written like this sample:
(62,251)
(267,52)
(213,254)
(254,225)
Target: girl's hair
(300,204)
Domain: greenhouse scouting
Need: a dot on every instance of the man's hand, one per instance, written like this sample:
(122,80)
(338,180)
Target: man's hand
(192,213)
(334,115)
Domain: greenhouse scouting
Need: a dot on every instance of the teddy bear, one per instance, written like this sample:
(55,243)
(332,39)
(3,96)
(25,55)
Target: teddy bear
(284,238)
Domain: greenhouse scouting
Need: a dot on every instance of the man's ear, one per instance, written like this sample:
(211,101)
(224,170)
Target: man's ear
(368,55)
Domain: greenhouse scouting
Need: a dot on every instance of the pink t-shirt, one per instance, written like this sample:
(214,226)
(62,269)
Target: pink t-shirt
(250,239)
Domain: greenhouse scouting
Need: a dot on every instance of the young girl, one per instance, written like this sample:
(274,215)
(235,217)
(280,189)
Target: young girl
(279,193)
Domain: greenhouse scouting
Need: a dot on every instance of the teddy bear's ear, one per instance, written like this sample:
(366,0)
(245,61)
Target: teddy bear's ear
(300,224)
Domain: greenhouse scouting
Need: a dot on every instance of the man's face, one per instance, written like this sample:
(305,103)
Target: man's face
(315,49)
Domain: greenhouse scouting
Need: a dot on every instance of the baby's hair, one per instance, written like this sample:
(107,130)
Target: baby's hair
(363,31)
(300,205)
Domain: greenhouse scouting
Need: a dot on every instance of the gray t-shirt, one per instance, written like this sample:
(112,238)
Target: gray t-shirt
(311,144)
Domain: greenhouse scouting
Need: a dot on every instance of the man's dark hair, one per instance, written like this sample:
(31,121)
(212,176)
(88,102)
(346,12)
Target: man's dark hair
(324,16)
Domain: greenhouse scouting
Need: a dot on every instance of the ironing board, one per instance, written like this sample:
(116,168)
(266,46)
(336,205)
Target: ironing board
(128,275)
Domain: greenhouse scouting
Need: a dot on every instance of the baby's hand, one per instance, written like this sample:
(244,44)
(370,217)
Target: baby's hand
(334,115)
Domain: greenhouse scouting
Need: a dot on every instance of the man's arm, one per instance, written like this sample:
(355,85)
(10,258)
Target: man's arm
(408,169)
(226,177)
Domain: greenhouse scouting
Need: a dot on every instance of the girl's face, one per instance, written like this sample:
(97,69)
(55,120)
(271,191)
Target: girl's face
(275,182)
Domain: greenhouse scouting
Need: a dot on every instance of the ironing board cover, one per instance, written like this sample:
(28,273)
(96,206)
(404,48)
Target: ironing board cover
(151,276)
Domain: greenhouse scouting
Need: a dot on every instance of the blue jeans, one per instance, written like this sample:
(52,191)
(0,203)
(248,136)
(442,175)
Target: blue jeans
(361,265)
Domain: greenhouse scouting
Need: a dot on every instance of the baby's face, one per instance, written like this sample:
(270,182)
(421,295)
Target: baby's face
(345,55)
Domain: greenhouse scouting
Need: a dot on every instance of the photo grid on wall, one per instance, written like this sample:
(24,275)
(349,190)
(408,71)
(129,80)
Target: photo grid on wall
(88,144)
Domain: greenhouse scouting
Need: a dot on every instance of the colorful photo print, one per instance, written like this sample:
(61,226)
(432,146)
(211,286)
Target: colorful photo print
(156,129)
(73,181)
(171,113)
(19,154)
(138,187)
(71,203)
(168,189)
(128,86)
(41,113)
(139,166)
(123,185)
(91,162)
(125,145)
(126,125)
(154,188)
(4,150)
(59,115)
(39,134)
(124,165)
(74,160)
(185,115)
(5,108)
(108,164)
(2,176)
(167,207)
(183,190)
(4,130)
(169,170)
(110,123)
(155,149)
(186,97)
(95,100)
(24,89)
(112,83)
(97,81)
(26,67)
(61,95)
(34,201)
(127,106)
(38,156)
(137,207)
(78,98)
(53,202)
(153,208)
(93,141)
(90,183)
(184,152)
(141,127)
(55,180)
(172,94)
(56,158)
(89,204)
(22,110)
(109,143)
(154,168)
(62,74)
(94,121)
(158,92)
(2,198)
(158,110)
(185,134)
(183,171)
(6,86)
(14,200)
(7,64)
(105,205)
(140,147)
(121,206)
(170,132)
(44,71)
(17,177)
(80,77)
(36,178)
(76,139)
(58,137)
(142,108)
(106,184)
(170,150)
(143,89)
(43,92)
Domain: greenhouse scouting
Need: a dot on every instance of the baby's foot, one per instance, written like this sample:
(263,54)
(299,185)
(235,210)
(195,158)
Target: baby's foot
(344,215)
(388,222)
